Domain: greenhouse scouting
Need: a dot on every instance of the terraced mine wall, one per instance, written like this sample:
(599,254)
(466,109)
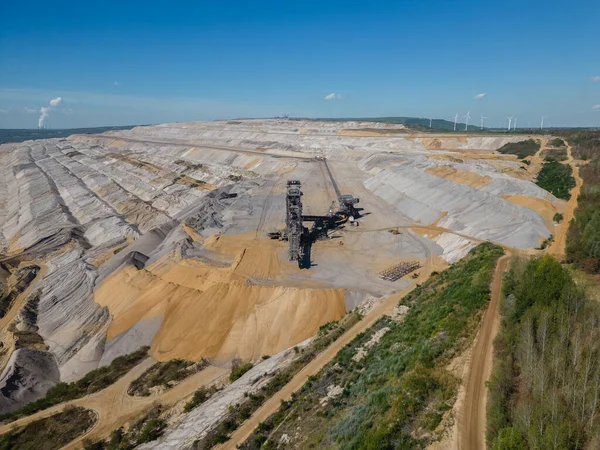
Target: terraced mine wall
(197,200)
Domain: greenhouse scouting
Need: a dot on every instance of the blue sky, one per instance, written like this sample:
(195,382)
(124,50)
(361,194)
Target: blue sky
(132,62)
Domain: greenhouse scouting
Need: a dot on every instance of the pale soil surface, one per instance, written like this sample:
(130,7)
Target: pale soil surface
(198,199)
(543,207)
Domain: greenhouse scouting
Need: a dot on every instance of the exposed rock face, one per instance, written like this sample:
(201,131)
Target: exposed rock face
(78,207)
(28,376)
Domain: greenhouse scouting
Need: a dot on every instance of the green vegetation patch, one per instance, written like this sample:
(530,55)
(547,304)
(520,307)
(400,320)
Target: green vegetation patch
(522,149)
(238,369)
(166,374)
(200,396)
(544,391)
(328,333)
(396,395)
(94,381)
(559,154)
(557,142)
(556,178)
(50,433)
(583,239)
(147,428)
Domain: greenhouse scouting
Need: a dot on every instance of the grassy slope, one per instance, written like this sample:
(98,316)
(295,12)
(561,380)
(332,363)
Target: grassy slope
(396,395)
(521,149)
(50,433)
(165,374)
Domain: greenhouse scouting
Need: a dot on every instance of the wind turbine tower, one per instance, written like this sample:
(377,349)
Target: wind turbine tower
(467,117)
(542,124)
(455,119)
(482,118)
(509,122)
(515,125)
(430,122)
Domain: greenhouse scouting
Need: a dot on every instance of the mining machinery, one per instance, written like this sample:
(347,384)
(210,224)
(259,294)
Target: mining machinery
(300,237)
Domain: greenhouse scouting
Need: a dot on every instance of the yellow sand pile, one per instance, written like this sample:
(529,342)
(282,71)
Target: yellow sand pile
(460,176)
(215,312)
(543,207)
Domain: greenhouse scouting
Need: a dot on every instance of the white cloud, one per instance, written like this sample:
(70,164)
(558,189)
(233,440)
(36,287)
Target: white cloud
(30,110)
(333,96)
(595,79)
(55,102)
(116,83)
(480,96)
(596,108)
(3,111)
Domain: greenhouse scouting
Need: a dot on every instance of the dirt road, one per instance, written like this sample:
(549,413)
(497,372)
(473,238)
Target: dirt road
(471,417)
(471,420)
(558,247)
(114,407)
(313,367)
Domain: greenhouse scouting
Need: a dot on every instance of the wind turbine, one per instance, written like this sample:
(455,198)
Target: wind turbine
(542,124)
(515,125)
(430,122)
(509,122)
(467,117)
(482,121)
(455,119)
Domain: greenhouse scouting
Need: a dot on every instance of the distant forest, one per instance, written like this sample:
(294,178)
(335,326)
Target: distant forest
(20,135)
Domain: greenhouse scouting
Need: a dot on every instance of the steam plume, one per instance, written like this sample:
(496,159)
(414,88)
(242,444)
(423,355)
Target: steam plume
(45,111)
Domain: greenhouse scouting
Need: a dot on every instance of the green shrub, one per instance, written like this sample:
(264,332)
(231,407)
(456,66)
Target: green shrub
(238,369)
(522,149)
(164,374)
(556,178)
(200,396)
(558,217)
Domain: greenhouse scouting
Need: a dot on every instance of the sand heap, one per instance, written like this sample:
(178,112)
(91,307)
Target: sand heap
(216,313)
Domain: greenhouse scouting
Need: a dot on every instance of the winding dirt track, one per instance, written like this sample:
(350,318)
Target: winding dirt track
(471,417)
(471,420)
(558,247)
(114,407)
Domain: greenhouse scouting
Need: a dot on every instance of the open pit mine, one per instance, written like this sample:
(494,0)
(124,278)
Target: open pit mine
(233,239)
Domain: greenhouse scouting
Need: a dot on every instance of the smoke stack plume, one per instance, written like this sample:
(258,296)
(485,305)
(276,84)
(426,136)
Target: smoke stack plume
(45,111)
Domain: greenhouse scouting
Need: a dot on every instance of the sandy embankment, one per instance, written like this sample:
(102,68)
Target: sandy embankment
(218,313)
(460,176)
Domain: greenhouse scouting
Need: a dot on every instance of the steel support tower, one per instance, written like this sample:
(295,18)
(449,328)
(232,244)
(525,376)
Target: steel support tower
(293,219)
